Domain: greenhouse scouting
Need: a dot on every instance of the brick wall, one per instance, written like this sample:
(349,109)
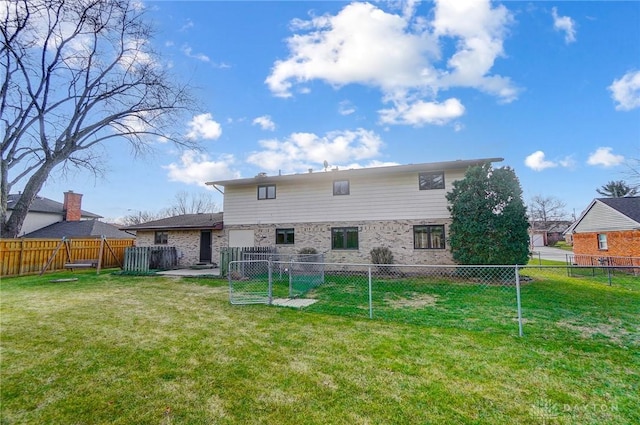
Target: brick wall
(620,244)
(188,244)
(396,235)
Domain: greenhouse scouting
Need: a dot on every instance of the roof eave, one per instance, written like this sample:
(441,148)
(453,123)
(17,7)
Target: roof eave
(393,169)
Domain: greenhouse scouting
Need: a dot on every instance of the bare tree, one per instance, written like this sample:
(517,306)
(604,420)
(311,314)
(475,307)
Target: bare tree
(192,203)
(543,209)
(141,217)
(75,74)
(184,203)
(633,172)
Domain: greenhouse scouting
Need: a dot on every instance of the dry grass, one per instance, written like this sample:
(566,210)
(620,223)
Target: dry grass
(122,350)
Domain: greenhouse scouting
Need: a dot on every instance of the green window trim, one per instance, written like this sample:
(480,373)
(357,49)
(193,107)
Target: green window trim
(285,236)
(344,238)
(430,236)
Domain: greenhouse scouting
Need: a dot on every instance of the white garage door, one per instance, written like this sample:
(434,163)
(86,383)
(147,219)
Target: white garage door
(537,240)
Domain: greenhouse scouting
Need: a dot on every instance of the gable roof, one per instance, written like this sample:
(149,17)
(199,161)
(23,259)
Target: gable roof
(344,174)
(627,207)
(182,222)
(80,229)
(45,205)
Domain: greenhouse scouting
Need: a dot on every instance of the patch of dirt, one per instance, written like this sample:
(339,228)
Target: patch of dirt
(612,330)
(416,300)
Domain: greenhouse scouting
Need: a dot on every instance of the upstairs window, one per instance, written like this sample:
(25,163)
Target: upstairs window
(161,238)
(284,236)
(344,238)
(341,187)
(428,237)
(429,181)
(602,241)
(267,191)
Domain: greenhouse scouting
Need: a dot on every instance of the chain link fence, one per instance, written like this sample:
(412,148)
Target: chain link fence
(486,298)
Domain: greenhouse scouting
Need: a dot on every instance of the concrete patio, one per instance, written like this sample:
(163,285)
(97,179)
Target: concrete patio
(192,272)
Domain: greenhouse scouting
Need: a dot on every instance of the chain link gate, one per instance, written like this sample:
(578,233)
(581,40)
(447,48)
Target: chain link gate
(260,281)
(250,282)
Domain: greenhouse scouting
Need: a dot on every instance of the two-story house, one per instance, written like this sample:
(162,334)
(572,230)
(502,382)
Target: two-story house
(45,212)
(347,213)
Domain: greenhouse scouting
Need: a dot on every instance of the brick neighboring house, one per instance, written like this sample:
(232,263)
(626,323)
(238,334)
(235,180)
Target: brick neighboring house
(197,237)
(347,213)
(609,227)
(44,212)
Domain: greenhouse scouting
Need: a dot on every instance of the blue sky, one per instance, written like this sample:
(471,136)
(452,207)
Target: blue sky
(552,87)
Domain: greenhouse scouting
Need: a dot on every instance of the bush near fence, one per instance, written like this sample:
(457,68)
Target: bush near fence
(29,256)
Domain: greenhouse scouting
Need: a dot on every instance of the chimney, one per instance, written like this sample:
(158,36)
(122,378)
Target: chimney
(72,206)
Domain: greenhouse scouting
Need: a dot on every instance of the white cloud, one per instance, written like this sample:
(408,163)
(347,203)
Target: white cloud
(537,162)
(265,123)
(301,151)
(564,24)
(203,127)
(398,53)
(346,108)
(198,168)
(479,31)
(420,113)
(567,162)
(188,51)
(187,25)
(604,157)
(626,91)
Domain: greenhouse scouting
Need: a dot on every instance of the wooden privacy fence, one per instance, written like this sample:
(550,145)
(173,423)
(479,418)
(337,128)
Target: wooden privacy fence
(230,254)
(143,259)
(29,256)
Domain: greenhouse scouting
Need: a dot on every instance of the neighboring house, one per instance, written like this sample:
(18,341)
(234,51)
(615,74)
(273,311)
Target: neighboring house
(547,233)
(609,227)
(79,229)
(197,237)
(44,212)
(347,213)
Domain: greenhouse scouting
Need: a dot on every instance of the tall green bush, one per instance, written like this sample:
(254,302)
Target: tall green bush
(489,219)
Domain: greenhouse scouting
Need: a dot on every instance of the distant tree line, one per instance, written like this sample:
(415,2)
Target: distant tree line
(183,203)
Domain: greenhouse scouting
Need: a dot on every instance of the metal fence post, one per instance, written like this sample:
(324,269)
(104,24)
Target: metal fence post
(291,278)
(270,290)
(370,296)
(518,300)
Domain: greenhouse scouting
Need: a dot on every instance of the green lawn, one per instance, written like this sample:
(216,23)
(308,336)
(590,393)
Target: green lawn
(149,350)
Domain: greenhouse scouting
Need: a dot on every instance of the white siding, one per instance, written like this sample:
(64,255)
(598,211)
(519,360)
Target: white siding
(389,197)
(37,220)
(604,218)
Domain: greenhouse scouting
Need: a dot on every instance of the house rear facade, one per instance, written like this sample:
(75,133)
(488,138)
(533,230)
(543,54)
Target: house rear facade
(196,237)
(346,213)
